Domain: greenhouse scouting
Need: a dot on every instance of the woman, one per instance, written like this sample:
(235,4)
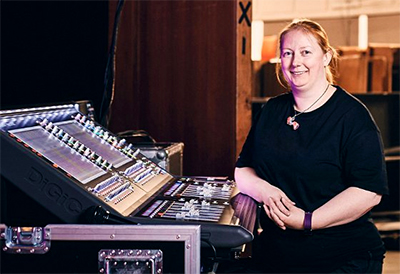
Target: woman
(314,158)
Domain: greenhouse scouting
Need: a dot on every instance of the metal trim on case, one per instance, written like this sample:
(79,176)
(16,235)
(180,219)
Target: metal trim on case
(189,234)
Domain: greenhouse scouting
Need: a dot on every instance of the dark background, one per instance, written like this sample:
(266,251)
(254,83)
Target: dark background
(52,51)
(176,69)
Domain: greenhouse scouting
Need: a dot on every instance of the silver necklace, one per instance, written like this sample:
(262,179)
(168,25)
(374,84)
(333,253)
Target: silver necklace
(291,121)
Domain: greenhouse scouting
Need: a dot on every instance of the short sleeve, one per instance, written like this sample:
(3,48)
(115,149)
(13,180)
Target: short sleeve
(245,158)
(364,160)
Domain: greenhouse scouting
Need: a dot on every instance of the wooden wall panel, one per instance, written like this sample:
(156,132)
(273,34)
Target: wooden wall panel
(177,78)
(244,69)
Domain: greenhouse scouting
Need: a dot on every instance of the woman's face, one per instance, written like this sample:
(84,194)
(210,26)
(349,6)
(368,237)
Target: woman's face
(303,61)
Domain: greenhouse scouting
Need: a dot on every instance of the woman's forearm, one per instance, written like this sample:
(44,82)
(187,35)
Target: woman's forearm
(344,208)
(249,183)
(262,191)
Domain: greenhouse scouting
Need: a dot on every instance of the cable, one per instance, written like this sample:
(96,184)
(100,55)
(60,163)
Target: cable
(99,215)
(215,264)
(212,247)
(109,88)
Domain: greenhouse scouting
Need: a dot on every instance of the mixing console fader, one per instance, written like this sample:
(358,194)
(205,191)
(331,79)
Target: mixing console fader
(69,163)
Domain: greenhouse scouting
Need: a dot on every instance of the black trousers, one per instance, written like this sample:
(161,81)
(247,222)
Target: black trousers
(353,266)
(361,266)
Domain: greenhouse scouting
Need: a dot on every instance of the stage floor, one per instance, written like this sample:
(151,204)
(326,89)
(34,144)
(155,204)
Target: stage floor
(392,262)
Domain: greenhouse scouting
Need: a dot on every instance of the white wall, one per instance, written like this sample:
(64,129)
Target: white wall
(278,10)
(338,17)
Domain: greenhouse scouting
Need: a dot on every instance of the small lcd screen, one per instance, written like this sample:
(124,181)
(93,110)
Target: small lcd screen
(59,153)
(95,143)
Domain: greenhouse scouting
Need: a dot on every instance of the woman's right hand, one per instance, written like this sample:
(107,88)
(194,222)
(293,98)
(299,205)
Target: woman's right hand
(250,184)
(274,197)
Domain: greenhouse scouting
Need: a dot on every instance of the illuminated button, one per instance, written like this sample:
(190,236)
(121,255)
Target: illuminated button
(96,130)
(121,143)
(115,143)
(194,212)
(43,123)
(81,148)
(91,125)
(205,204)
(71,140)
(65,137)
(54,131)
(76,145)
(91,156)
(87,152)
(226,188)
(98,160)
(60,133)
(104,164)
(49,126)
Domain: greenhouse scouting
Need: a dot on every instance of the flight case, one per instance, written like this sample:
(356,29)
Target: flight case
(70,248)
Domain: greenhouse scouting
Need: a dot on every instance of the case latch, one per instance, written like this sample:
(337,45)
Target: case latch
(130,261)
(26,240)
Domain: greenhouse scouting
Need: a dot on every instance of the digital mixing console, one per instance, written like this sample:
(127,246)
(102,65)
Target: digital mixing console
(69,163)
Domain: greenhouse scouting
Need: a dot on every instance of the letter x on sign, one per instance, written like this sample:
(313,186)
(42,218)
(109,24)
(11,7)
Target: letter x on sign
(244,13)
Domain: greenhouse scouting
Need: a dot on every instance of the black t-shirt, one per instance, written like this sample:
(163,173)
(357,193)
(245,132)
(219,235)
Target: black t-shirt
(336,146)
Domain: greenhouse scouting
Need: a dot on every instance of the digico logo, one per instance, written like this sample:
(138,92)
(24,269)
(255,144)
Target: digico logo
(54,192)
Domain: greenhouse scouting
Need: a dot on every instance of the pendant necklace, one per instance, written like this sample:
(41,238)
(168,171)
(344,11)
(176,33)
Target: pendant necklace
(291,120)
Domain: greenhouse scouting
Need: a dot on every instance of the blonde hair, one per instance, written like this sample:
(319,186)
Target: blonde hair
(316,30)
